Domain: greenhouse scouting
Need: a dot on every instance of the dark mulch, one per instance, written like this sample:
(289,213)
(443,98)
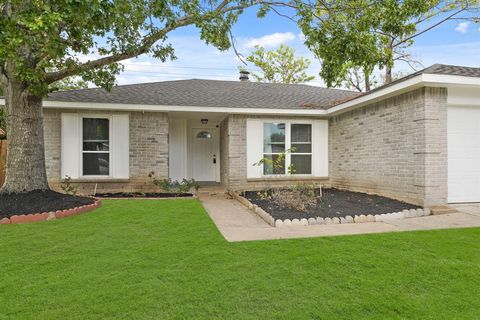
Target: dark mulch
(38,202)
(121,195)
(334,203)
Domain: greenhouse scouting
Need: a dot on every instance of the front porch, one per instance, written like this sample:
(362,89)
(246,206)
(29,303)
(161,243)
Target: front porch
(194,147)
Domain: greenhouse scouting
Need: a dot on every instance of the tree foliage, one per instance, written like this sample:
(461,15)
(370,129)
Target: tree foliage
(45,41)
(362,35)
(70,83)
(90,38)
(280,65)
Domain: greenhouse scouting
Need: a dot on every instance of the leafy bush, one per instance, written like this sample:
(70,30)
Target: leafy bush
(169,185)
(68,187)
(300,197)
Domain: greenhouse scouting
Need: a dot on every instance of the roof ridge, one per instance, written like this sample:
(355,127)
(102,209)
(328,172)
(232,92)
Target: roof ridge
(208,80)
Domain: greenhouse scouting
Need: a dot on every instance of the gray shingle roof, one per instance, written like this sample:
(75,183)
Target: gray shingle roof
(452,70)
(236,94)
(212,93)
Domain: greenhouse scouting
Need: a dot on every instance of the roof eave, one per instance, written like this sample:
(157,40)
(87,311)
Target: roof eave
(419,81)
(173,108)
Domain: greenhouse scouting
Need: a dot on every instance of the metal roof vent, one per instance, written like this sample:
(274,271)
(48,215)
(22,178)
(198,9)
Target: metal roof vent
(244,75)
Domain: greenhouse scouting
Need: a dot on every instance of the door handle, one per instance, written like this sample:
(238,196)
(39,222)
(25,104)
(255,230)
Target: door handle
(214,159)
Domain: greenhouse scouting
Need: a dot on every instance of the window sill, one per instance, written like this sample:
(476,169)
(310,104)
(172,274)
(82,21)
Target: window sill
(287,178)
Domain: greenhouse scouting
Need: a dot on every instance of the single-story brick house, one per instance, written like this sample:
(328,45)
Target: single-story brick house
(416,139)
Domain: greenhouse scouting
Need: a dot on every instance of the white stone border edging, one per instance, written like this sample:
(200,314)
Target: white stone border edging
(385,217)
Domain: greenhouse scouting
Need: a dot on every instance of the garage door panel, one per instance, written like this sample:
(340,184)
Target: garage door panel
(463,154)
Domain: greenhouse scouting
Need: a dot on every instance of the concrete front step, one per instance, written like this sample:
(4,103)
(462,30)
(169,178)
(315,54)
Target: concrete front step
(442,210)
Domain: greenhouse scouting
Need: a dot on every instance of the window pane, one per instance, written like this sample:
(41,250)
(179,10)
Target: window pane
(274,148)
(274,137)
(301,133)
(95,129)
(96,164)
(96,146)
(274,166)
(204,135)
(301,148)
(302,164)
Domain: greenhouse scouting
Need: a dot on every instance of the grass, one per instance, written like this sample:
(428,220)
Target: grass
(147,259)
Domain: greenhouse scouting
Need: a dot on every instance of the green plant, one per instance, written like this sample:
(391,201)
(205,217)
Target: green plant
(308,189)
(265,194)
(277,165)
(169,185)
(68,187)
(279,65)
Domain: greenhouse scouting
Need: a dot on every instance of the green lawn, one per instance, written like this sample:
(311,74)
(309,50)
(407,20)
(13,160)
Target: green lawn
(146,259)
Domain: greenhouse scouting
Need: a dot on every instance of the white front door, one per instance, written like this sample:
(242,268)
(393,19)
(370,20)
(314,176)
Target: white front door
(204,157)
(463,154)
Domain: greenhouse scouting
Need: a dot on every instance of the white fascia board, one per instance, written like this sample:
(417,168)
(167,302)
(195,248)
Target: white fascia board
(443,80)
(165,108)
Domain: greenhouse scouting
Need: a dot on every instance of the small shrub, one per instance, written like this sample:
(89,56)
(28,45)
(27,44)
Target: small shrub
(68,187)
(306,189)
(169,185)
(265,194)
(294,199)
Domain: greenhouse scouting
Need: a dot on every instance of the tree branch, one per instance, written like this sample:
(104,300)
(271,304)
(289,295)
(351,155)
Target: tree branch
(431,27)
(150,40)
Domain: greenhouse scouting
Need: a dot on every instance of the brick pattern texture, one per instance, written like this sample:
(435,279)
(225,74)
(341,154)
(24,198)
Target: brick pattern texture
(148,152)
(396,147)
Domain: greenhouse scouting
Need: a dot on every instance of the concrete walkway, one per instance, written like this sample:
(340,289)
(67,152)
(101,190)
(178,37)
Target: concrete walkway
(237,223)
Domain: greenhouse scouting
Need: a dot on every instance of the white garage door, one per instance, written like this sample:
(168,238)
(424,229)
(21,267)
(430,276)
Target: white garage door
(463,154)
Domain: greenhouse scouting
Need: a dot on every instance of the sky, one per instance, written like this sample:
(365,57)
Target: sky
(454,42)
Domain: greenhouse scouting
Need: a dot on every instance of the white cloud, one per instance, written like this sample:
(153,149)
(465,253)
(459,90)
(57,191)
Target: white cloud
(462,27)
(271,40)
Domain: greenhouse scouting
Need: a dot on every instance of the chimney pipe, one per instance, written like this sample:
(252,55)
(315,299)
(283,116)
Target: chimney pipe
(244,75)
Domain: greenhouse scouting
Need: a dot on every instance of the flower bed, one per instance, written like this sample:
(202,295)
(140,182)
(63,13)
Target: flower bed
(52,215)
(333,207)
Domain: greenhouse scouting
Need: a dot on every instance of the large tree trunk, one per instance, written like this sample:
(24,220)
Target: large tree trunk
(26,154)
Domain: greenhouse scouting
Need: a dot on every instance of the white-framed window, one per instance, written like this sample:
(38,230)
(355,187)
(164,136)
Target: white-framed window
(96,146)
(289,146)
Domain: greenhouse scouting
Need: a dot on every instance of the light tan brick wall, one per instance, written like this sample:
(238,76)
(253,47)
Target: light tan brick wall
(396,147)
(233,132)
(52,132)
(148,152)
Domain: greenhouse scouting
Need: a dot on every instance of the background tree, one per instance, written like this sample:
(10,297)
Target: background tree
(355,80)
(280,65)
(361,35)
(68,84)
(38,36)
